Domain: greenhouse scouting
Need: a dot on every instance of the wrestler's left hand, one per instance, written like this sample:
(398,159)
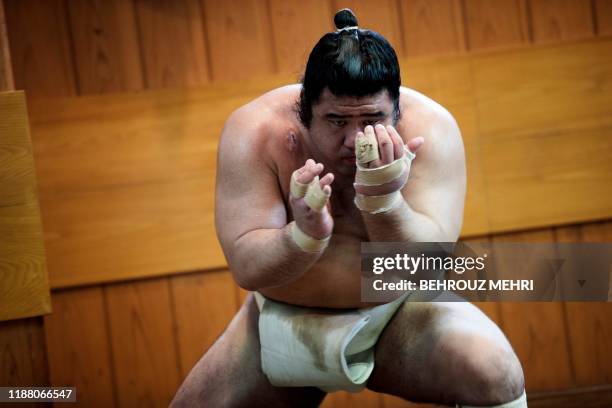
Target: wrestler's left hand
(390,148)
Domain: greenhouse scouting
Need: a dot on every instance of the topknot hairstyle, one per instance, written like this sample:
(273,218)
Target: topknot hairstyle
(350,62)
(345,18)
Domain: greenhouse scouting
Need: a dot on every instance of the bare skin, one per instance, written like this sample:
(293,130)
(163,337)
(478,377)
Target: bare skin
(440,352)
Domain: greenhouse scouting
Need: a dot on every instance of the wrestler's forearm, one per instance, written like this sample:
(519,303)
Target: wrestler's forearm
(404,224)
(265,258)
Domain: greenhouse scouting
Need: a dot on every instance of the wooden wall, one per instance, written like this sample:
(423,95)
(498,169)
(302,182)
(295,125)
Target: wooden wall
(62,48)
(131,343)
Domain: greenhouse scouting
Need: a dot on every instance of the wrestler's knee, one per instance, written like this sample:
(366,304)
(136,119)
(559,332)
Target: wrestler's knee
(485,369)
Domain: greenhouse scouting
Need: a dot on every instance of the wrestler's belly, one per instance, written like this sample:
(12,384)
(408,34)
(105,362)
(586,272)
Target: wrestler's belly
(334,281)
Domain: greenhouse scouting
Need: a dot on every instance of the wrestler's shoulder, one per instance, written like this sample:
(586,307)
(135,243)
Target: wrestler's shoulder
(265,119)
(421,110)
(422,116)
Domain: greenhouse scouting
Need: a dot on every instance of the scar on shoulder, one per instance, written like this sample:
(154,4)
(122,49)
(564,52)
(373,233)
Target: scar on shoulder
(291,141)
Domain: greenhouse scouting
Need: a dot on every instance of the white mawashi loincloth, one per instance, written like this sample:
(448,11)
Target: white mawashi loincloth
(326,348)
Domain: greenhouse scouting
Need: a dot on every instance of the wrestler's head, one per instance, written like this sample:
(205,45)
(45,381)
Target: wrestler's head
(352,79)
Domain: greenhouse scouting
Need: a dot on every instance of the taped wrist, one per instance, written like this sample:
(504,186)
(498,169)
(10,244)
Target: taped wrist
(306,242)
(378,204)
(314,196)
(378,176)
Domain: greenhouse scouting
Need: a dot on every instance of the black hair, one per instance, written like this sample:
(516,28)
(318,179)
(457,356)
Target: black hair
(350,62)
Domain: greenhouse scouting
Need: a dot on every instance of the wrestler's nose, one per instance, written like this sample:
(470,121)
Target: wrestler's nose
(350,135)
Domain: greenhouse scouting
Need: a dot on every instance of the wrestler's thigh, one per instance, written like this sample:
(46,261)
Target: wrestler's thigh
(443,352)
(230,375)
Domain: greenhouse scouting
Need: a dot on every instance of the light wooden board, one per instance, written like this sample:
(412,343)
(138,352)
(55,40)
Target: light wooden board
(537,123)
(544,89)
(24,286)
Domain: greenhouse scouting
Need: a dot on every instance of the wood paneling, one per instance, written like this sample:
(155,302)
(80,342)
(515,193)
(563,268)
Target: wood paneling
(558,88)
(203,303)
(6,70)
(105,42)
(144,348)
(40,47)
(589,325)
(297,26)
(523,171)
(560,20)
(491,309)
(239,37)
(22,353)
(172,43)
(432,27)
(532,123)
(78,346)
(24,286)
(376,15)
(495,24)
(537,333)
(603,17)
(156,171)
(130,176)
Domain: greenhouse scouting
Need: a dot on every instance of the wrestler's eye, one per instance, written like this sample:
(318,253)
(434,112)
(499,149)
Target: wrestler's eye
(338,123)
(369,122)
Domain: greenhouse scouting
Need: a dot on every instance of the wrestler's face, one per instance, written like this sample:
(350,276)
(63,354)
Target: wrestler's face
(336,121)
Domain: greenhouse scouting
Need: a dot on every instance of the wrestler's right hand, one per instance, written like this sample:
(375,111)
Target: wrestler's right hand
(317,224)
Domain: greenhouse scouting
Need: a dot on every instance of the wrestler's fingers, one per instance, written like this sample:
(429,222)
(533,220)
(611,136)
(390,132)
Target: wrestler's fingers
(385,145)
(309,163)
(302,177)
(304,167)
(310,171)
(326,180)
(398,143)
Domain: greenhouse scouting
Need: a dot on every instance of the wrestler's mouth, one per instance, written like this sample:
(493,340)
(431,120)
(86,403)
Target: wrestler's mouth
(350,159)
